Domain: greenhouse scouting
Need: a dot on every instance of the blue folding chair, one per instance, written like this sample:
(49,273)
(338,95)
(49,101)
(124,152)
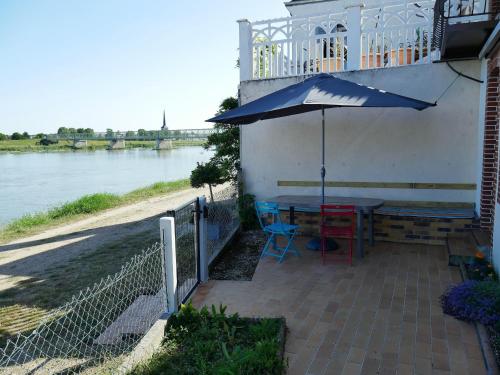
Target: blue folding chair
(266,211)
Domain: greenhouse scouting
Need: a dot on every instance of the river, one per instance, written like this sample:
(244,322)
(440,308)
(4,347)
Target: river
(33,182)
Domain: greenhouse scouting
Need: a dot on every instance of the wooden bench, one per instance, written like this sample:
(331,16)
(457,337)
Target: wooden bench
(430,212)
(423,222)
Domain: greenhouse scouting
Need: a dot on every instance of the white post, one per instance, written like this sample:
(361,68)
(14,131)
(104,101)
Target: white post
(167,233)
(203,241)
(246,65)
(354,34)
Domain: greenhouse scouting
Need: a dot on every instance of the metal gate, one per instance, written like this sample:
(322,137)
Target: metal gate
(187,234)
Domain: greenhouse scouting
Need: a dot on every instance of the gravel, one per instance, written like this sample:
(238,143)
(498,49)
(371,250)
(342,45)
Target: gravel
(240,259)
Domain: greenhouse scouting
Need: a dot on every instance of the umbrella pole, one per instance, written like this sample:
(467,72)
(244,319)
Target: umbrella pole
(323,170)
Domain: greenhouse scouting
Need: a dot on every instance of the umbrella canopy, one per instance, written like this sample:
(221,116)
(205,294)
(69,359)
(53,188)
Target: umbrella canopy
(316,93)
(319,92)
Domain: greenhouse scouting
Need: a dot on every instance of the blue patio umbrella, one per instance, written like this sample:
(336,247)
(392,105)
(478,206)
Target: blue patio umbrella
(316,93)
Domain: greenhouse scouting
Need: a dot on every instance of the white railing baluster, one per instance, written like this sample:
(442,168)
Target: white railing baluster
(396,32)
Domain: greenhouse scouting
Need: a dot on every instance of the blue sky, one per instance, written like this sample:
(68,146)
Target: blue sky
(119,63)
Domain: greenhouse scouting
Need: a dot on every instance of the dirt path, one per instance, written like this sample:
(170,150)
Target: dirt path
(31,256)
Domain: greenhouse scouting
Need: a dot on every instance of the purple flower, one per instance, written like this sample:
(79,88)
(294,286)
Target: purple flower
(473,301)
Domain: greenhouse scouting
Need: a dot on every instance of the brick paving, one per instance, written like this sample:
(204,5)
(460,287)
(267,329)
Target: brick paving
(381,316)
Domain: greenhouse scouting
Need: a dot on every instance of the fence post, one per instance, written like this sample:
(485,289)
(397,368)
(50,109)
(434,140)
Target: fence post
(245,50)
(354,34)
(203,240)
(167,233)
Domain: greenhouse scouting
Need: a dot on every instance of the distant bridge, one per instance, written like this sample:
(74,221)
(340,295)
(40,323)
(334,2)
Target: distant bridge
(147,135)
(117,140)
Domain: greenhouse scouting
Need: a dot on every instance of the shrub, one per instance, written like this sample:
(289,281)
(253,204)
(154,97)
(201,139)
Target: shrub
(206,174)
(246,211)
(16,136)
(473,301)
(211,342)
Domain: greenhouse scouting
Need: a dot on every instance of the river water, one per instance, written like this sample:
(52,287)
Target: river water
(33,182)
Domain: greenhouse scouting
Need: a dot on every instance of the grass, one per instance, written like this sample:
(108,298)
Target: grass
(85,206)
(24,306)
(30,145)
(211,342)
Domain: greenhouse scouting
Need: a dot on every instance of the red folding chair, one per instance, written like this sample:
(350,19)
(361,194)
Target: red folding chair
(331,229)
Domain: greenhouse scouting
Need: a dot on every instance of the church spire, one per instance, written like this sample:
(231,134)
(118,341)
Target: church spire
(164,126)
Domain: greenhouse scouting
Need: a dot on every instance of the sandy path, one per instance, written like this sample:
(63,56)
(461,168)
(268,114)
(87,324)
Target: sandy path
(30,256)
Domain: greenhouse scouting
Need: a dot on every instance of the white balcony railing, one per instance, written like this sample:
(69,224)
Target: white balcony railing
(358,37)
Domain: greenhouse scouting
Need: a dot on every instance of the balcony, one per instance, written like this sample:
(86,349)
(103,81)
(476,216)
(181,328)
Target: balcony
(461,27)
(356,37)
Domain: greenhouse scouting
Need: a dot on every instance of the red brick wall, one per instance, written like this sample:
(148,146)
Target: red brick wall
(495,6)
(490,149)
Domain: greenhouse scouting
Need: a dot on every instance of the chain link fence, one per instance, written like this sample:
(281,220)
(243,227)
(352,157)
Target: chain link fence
(223,220)
(94,332)
(101,326)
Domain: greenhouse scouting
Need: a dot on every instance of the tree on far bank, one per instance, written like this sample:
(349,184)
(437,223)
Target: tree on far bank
(3,137)
(16,136)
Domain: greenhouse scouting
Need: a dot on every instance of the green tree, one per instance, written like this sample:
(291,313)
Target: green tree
(3,137)
(16,136)
(130,133)
(109,133)
(62,130)
(89,131)
(226,142)
(206,174)
(141,132)
(39,136)
(26,135)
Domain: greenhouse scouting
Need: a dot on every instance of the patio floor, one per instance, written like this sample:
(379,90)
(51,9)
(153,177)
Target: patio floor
(381,316)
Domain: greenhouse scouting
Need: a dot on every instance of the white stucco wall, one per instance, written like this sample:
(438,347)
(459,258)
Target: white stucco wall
(308,7)
(315,7)
(496,239)
(437,145)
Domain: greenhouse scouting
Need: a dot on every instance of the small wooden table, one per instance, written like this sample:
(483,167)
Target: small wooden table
(312,203)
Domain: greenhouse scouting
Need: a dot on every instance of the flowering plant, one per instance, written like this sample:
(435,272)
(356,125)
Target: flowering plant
(473,301)
(480,269)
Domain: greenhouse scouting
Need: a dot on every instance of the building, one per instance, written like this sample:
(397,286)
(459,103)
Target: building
(441,158)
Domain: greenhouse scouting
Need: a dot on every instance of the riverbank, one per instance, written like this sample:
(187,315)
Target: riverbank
(85,206)
(30,145)
(41,272)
